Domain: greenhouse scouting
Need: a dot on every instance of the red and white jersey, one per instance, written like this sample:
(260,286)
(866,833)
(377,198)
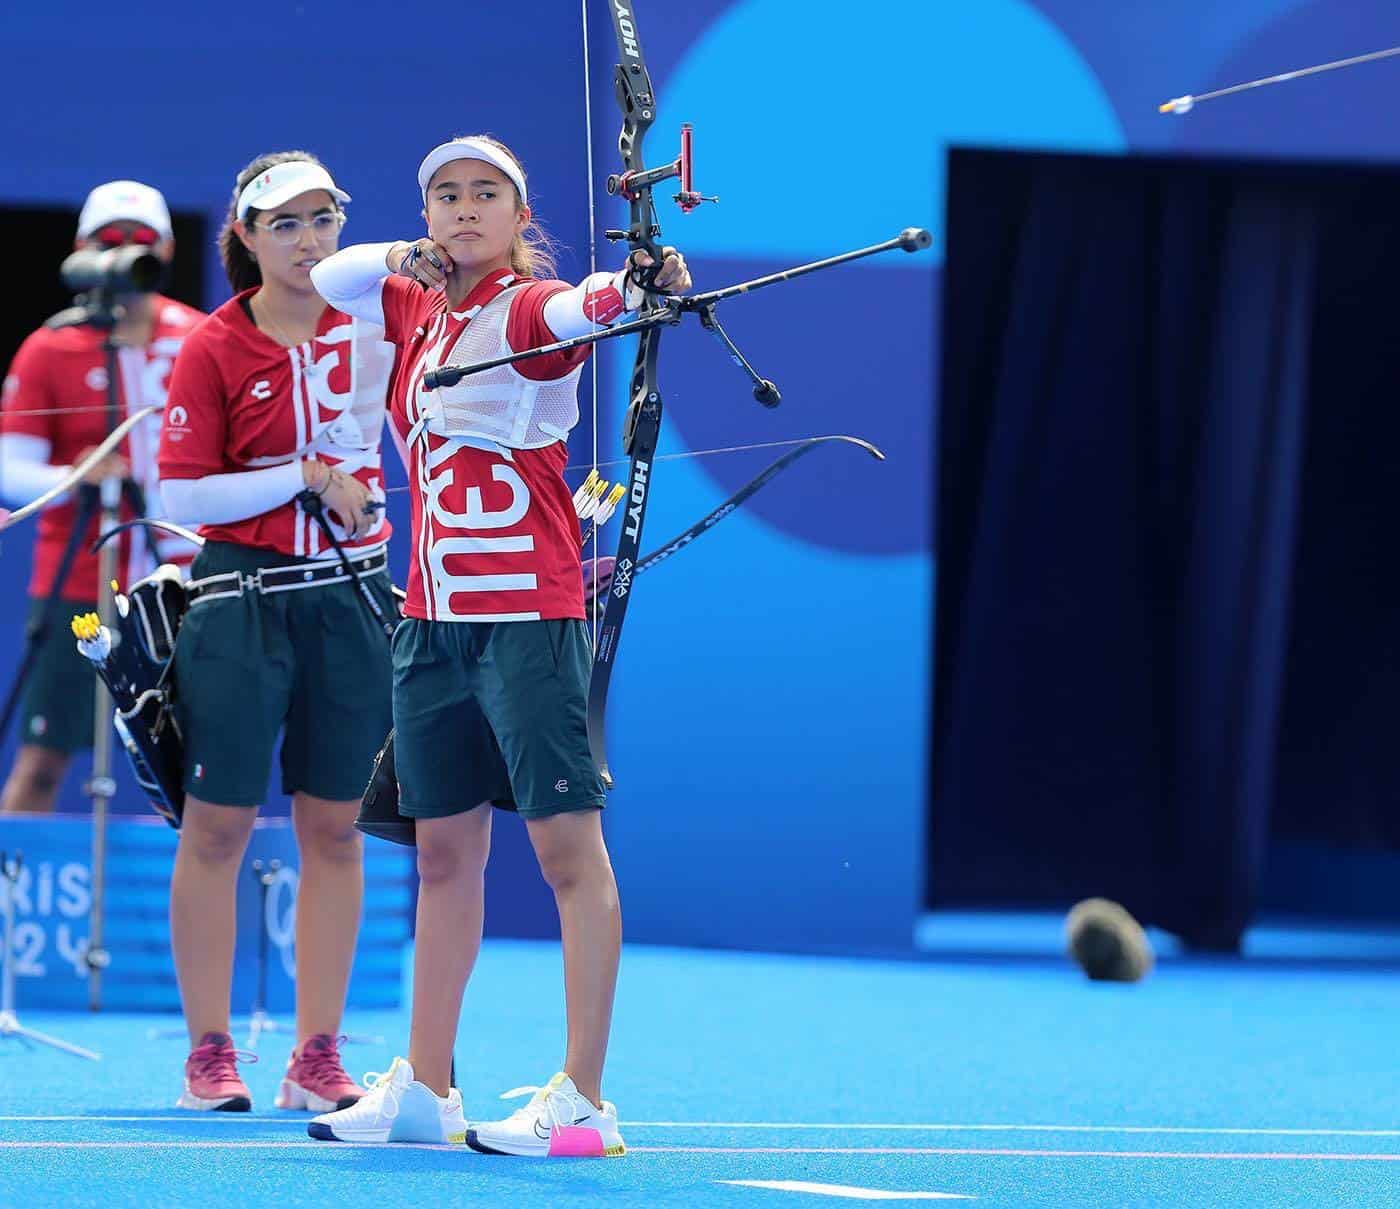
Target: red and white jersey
(239,401)
(495,534)
(56,389)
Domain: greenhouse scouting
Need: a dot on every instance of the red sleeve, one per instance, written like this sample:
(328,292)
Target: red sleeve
(526,328)
(401,301)
(193,431)
(28,395)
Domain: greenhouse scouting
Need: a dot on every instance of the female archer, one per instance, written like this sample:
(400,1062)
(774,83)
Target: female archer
(275,395)
(491,663)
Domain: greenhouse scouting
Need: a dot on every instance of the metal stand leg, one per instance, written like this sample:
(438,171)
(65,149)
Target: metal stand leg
(102,788)
(9,1019)
(259,1021)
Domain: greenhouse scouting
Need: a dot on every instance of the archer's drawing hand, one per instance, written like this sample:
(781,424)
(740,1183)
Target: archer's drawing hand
(423,261)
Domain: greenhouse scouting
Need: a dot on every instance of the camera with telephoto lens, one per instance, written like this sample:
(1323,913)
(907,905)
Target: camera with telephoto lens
(130,270)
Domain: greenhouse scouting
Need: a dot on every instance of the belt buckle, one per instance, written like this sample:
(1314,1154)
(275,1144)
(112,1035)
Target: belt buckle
(250,583)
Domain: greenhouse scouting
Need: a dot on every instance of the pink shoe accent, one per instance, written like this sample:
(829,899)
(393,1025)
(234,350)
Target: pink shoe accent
(575,1142)
(211,1076)
(315,1078)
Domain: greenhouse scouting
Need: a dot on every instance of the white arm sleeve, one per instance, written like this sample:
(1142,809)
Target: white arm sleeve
(353,279)
(569,313)
(220,499)
(25,471)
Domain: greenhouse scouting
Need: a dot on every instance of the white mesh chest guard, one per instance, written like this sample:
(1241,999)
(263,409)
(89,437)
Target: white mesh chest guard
(498,405)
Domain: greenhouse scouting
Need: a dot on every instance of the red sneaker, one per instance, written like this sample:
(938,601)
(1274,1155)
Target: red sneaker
(211,1076)
(315,1079)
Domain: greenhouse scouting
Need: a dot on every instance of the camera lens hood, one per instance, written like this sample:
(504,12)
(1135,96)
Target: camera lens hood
(129,270)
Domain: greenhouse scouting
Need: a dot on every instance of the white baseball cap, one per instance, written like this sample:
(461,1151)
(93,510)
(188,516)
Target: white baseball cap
(124,201)
(470,149)
(282,182)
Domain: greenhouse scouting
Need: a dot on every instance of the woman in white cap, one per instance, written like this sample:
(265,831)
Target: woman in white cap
(55,411)
(491,663)
(276,394)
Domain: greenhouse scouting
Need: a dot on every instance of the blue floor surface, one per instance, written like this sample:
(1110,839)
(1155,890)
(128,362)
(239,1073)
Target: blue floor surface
(1209,1084)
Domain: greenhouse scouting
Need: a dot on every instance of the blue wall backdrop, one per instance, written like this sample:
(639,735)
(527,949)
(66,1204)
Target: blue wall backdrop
(770,709)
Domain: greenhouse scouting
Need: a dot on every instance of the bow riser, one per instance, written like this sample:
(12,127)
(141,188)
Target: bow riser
(642,433)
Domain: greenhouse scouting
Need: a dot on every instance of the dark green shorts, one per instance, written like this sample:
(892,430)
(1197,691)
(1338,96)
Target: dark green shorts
(58,711)
(309,663)
(493,711)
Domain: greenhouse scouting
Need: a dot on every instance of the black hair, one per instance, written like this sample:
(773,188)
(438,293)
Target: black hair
(239,266)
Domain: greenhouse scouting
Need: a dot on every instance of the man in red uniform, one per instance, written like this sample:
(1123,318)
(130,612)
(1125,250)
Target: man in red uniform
(52,412)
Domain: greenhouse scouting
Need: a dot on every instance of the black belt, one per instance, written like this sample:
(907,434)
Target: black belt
(266,580)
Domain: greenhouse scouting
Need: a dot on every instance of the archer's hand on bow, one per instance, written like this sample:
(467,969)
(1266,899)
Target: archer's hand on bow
(597,575)
(344,496)
(673,277)
(113,466)
(424,261)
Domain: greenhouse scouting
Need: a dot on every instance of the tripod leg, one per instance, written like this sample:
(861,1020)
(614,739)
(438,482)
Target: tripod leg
(102,788)
(9,1021)
(9,874)
(258,1022)
(77,1051)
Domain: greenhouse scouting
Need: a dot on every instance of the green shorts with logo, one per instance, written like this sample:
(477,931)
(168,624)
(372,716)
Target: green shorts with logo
(493,711)
(59,697)
(309,664)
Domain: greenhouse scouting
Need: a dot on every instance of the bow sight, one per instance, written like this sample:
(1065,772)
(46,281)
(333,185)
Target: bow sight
(629,184)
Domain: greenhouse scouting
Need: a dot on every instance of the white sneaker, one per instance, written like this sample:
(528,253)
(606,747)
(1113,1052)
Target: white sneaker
(395,1109)
(557,1123)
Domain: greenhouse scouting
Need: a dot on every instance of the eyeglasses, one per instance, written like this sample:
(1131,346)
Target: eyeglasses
(118,237)
(287,231)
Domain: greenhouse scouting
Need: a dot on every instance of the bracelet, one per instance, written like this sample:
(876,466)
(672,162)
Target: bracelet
(326,482)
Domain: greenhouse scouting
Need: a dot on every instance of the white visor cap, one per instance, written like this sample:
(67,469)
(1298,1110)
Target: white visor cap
(124,201)
(282,182)
(470,149)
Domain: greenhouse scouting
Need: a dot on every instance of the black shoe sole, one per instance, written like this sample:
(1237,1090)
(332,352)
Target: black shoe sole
(481,1147)
(237,1104)
(321,1132)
